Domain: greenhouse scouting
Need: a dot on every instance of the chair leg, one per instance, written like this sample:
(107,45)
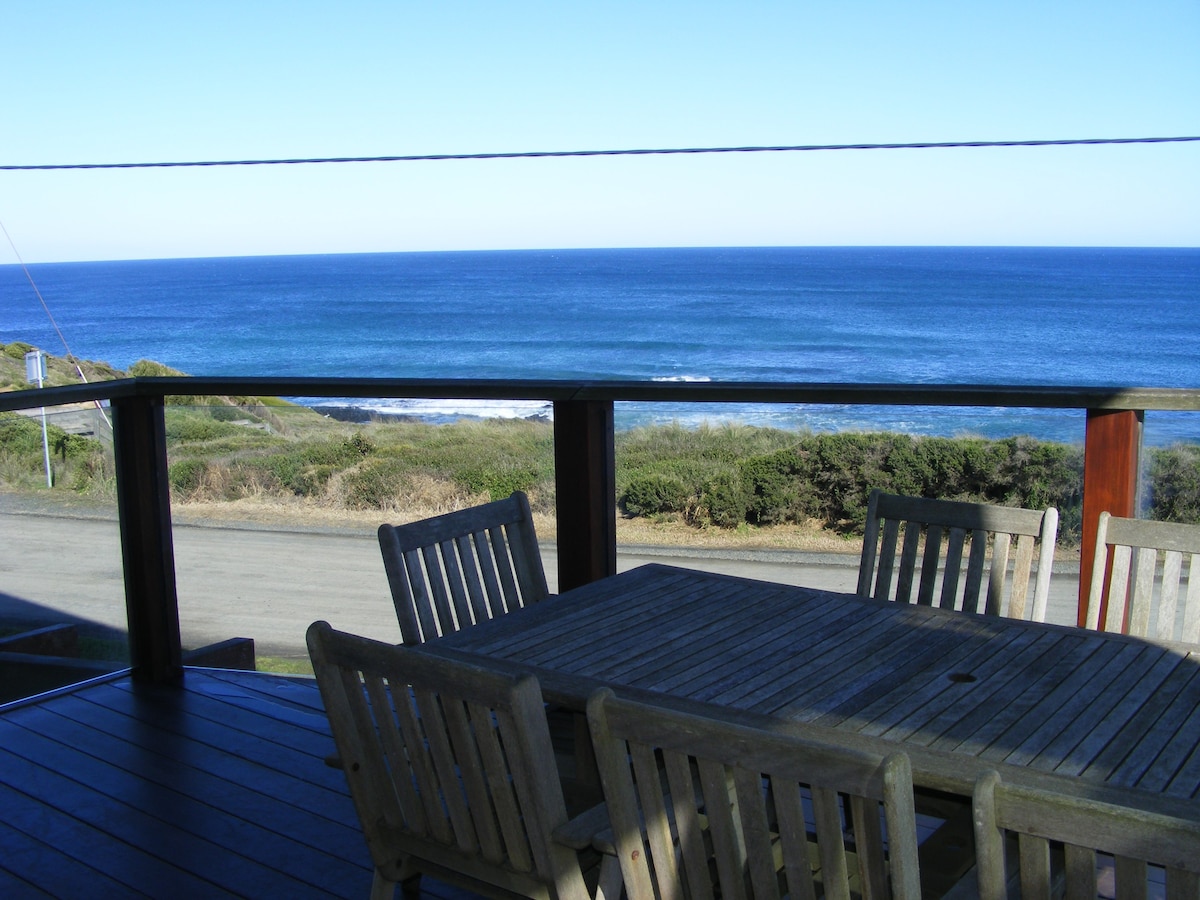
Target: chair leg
(384,889)
(610,886)
(586,770)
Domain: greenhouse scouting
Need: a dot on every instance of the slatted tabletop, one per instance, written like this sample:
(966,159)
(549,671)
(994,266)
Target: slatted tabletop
(1096,712)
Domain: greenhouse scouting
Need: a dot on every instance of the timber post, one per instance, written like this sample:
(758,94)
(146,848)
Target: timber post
(147,549)
(585,487)
(1111,466)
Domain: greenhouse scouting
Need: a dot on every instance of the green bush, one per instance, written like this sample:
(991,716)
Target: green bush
(374,485)
(725,500)
(1174,491)
(655,494)
(186,476)
(17,349)
(775,491)
(148,368)
(498,480)
(188,426)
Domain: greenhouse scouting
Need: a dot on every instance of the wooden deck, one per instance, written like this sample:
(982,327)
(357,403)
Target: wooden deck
(216,789)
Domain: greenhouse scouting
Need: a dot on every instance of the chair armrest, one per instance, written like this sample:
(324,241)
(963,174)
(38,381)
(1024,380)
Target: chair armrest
(582,831)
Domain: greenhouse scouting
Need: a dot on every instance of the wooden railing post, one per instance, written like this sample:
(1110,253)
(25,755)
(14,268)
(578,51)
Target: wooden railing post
(585,484)
(147,549)
(1111,464)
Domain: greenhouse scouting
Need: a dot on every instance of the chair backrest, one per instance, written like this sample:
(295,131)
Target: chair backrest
(449,765)
(970,531)
(1143,595)
(1100,842)
(702,806)
(454,570)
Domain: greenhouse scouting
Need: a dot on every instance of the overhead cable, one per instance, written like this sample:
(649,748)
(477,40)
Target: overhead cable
(538,154)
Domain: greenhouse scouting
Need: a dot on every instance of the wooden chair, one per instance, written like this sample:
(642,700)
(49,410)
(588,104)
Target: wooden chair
(1082,842)
(1166,554)
(450,769)
(451,571)
(970,529)
(702,806)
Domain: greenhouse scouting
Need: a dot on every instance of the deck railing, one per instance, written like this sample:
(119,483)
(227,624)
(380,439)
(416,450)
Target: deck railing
(584,459)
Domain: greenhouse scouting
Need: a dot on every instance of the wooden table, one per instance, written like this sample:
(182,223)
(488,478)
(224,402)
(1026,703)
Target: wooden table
(1107,715)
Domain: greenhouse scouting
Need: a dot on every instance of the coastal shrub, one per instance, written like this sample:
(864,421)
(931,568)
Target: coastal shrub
(226,413)
(185,477)
(375,485)
(829,477)
(186,426)
(774,488)
(77,461)
(20,435)
(93,475)
(724,501)
(148,368)
(1174,484)
(498,480)
(17,349)
(307,467)
(655,494)
(843,469)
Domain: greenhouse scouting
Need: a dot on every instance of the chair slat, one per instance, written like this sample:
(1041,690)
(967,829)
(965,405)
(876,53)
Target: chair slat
(1018,597)
(908,563)
(495,603)
(956,540)
(728,849)
(998,573)
(1079,869)
(974,598)
(1168,599)
(1191,609)
(929,565)
(756,834)
(793,837)
(502,558)
(688,824)
(887,559)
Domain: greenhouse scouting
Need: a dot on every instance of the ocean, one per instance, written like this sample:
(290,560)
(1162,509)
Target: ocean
(985,315)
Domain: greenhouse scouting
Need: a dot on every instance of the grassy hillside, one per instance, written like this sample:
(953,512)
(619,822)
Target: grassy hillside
(59,370)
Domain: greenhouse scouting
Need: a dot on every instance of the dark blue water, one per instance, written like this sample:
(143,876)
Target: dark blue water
(1065,316)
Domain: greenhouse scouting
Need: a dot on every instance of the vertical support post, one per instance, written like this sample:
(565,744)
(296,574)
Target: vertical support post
(585,484)
(1111,465)
(147,550)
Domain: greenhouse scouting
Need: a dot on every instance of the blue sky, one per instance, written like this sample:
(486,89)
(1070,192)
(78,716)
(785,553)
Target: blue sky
(153,81)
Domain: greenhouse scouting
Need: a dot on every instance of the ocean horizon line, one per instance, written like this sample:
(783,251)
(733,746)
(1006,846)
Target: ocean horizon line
(301,254)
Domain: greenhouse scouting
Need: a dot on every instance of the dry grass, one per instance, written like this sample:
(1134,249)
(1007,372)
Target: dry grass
(299,512)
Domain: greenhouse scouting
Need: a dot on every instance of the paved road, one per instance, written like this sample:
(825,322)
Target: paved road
(269,584)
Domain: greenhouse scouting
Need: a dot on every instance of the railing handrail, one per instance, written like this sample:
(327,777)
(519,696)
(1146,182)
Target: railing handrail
(551,390)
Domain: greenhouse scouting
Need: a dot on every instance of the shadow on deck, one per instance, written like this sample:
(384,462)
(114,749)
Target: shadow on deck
(215,789)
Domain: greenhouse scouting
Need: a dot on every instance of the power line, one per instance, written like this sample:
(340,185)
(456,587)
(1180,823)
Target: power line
(538,154)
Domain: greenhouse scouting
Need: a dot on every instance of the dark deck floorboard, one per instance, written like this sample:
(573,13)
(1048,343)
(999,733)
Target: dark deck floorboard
(216,789)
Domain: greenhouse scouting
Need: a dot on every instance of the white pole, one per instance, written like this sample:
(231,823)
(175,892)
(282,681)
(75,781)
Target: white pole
(35,370)
(45,440)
